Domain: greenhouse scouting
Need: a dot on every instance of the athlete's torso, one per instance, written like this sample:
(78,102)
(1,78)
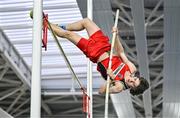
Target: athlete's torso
(118,67)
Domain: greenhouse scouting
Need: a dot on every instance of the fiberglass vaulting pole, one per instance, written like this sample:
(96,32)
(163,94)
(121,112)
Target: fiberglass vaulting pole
(36,61)
(109,66)
(89,64)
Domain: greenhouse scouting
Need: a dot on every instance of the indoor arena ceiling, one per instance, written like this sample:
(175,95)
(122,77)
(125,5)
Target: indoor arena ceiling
(61,96)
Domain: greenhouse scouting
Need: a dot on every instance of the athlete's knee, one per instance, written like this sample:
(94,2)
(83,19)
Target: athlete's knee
(87,21)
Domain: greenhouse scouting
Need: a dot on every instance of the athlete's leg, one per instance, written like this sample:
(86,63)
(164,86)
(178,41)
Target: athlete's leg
(71,36)
(86,23)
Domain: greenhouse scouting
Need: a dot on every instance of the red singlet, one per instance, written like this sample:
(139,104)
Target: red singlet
(116,61)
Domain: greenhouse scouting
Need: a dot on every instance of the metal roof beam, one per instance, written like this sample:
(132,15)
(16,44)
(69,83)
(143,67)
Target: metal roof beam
(13,58)
(4,114)
(137,9)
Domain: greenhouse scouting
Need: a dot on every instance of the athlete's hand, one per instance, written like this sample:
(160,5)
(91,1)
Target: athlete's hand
(102,89)
(114,29)
(110,73)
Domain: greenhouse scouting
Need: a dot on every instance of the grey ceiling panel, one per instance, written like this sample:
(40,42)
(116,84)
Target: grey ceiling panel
(171,90)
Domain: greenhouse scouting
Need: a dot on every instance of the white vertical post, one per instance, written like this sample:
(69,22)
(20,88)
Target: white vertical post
(109,67)
(89,72)
(36,61)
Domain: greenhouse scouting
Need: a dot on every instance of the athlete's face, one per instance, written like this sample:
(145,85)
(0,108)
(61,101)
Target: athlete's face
(132,81)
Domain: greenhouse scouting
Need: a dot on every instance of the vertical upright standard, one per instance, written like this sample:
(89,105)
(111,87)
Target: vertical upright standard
(109,66)
(36,61)
(89,72)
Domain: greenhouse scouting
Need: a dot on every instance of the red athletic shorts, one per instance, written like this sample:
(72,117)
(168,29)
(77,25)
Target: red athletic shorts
(95,46)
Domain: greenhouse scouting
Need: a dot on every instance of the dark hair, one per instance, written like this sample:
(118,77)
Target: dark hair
(141,87)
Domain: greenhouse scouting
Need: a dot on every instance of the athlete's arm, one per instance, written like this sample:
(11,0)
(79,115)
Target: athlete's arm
(120,51)
(131,66)
(116,88)
(103,87)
